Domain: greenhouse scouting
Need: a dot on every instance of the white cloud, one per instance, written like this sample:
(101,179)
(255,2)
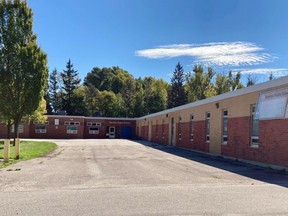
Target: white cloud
(277,72)
(220,54)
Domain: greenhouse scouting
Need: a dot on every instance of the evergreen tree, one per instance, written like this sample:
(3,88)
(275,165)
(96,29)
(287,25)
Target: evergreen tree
(70,82)
(54,92)
(250,81)
(177,94)
(271,76)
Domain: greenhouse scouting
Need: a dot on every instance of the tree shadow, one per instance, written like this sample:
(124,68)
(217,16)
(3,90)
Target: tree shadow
(263,174)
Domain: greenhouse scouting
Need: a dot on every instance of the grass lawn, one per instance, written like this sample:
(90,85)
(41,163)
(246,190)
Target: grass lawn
(28,150)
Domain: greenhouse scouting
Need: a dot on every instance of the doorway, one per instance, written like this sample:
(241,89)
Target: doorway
(112,132)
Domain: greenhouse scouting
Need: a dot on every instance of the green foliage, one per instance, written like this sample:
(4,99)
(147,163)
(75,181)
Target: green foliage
(91,99)
(136,97)
(177,94)
(111,104)
(199,84)
(23,65)
(54,92)
(78,102)
(70,81)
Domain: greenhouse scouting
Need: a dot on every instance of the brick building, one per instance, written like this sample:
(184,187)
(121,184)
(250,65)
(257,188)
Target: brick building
(249,124)
(76,127)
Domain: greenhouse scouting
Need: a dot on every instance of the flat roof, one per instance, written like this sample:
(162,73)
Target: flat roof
(258,87)
(91,117)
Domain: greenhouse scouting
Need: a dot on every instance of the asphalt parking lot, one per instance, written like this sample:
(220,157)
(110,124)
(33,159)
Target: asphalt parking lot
(120,177)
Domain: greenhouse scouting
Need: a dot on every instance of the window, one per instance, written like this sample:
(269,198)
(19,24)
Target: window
(163,126)
(225,127)
(179,129)
(71,123)
(207,127)
(254,127)
(40,123)
(56,121)
(40,129)
(20,128)
(191,128)
(93,130)
(93,124)
(71,130)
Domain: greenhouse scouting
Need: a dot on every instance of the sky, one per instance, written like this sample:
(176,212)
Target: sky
(149,37)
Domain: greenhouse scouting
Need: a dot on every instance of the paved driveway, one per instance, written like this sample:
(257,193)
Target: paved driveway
(120,177)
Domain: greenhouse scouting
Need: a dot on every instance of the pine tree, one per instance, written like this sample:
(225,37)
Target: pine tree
(70,82)
(54,91)
(177,94)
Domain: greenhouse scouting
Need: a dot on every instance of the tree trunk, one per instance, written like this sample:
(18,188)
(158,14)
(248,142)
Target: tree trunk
(16,134)
(8,136)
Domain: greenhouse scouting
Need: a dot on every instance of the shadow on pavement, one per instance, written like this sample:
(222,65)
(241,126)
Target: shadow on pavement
(252,171)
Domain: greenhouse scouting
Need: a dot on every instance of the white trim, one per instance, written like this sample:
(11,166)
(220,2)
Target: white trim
(40,130)
(69,131)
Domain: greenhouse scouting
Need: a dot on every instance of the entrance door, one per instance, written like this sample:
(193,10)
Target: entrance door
(112,132)
(172,132)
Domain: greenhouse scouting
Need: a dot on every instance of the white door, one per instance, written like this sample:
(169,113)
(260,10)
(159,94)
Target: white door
(112,132)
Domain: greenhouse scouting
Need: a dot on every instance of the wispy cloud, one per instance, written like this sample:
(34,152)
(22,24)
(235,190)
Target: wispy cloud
(220,54)
(277,72)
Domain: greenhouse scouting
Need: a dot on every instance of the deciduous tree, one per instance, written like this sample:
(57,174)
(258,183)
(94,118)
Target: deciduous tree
(23,65)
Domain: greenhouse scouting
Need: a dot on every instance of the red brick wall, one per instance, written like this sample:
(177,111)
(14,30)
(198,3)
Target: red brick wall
(25,134)
(144,132)
(273,141)
(199,141)
(238,144)
(102,129)
(59,131)
(183,140)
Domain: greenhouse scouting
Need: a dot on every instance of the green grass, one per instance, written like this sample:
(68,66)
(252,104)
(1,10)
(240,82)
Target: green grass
(28,150)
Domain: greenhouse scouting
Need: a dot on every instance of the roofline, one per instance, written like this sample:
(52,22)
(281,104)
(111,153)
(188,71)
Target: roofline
(217,98)
(90,117)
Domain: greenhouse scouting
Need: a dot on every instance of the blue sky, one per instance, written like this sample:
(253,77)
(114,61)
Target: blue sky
(149,37)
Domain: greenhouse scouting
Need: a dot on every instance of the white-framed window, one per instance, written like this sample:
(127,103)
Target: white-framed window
(40,129)
(56,121)
(225,127)
(180,128)
(71,130)
(207,127)
(93,130)
(94,124)
(71,123)
(20,128)
(254,127)
(191,128)
(40,123)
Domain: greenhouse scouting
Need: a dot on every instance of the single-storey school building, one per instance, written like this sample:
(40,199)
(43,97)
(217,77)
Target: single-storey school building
(249,124)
